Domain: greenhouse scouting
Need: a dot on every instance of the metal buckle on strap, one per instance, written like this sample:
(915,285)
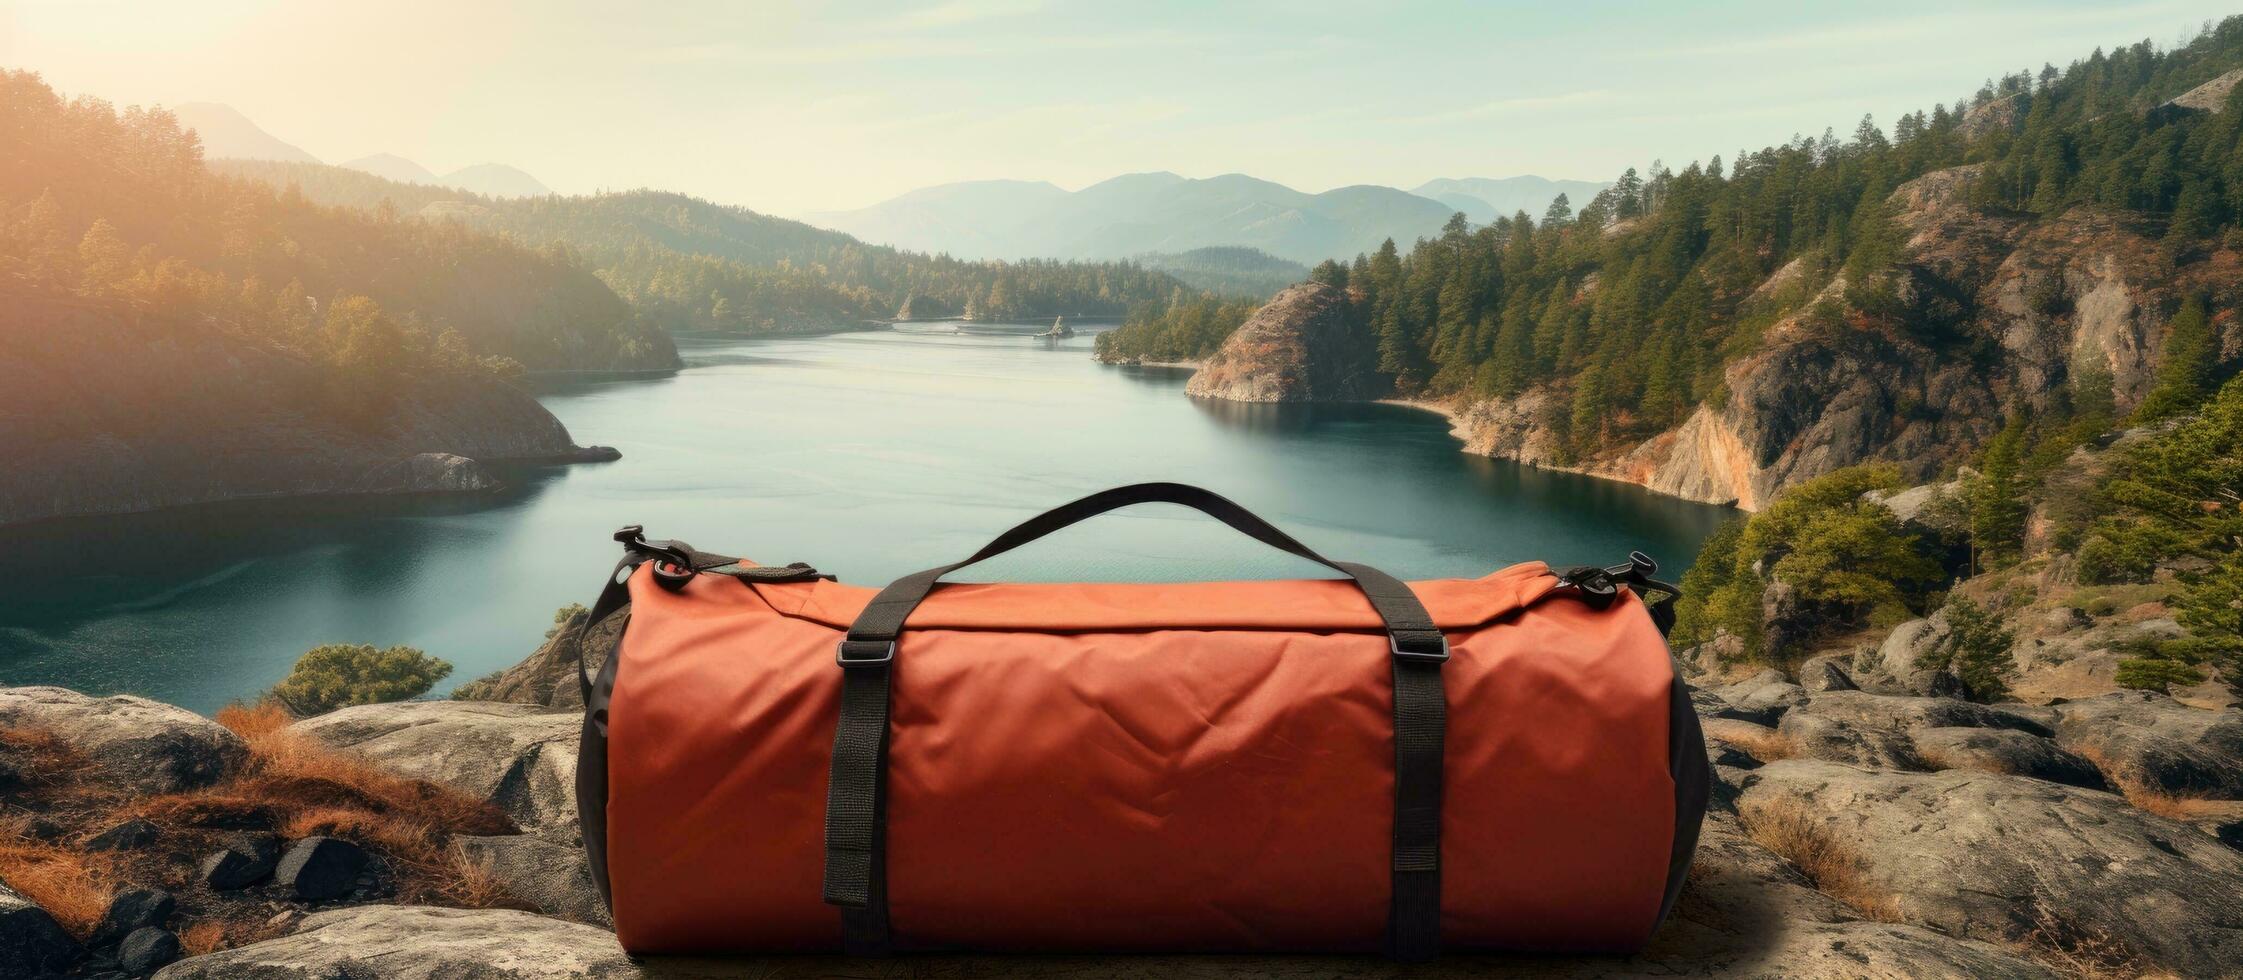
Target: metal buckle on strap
(886,653)
(1437,655)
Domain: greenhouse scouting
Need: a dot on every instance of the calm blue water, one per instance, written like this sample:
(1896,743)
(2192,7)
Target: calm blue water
(868,455)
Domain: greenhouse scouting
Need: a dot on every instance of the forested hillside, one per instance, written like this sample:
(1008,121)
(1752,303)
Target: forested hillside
(693,265)
(101,202)
(171,337)
(2021,258)
(1226,270)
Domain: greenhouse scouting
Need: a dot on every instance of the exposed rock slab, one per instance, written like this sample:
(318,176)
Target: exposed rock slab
(2149,741)
(144,745)
(2005,751)
(1997,858)
(391,942)
(517,756)
(554,877)
(2210,96)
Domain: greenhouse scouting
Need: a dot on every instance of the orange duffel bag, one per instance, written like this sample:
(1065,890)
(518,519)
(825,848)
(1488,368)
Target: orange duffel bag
(774,761)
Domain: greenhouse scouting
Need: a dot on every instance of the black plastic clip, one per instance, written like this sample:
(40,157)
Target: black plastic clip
(882,652)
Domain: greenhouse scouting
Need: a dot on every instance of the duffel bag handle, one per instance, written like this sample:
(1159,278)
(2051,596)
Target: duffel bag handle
(856,799)
(875,630)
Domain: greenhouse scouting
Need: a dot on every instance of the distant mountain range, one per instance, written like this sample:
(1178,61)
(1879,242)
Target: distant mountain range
(1483,199)
(1164,213)
(227,134)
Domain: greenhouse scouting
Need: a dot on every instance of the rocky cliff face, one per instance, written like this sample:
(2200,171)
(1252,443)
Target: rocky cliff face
(2002,311)
(1301,346)
(104,411)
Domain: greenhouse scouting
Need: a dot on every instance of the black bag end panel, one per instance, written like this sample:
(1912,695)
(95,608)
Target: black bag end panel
(1693,783)
(591,769)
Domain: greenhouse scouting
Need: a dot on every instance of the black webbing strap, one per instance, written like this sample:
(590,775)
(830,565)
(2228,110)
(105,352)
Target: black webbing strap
(856,793)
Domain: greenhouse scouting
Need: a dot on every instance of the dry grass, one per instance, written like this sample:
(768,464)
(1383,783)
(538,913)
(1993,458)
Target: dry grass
(2184,807)
(334,794)
(73,886)
(1758,741)
(212,935)
(2081,952)
(474,885)
(1832,865)
(310,776)
(291,785)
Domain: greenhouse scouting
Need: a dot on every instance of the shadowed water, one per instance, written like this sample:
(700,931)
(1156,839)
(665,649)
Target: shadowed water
(869,455)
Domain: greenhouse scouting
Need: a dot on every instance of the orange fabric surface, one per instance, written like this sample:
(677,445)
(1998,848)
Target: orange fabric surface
(1116,767)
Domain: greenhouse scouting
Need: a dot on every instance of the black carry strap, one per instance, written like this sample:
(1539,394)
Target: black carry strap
(856,799)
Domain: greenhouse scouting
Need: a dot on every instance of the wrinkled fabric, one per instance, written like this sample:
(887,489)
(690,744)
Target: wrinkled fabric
(1139,767)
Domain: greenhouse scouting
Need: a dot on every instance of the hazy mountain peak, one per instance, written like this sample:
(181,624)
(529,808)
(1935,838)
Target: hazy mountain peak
(390,166)
(496,180)
(1483,199)
(225,132)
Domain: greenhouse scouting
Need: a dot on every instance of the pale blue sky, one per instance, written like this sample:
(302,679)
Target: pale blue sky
(795,107)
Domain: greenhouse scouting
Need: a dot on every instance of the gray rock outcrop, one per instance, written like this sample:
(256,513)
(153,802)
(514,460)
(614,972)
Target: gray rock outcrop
(2004,750)
(2010,859)
(2150,742)
(1298,347)
(149,747)
(518,757)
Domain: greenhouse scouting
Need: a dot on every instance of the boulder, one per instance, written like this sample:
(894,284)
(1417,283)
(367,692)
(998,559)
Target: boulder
(131,912)
(2147,741)
(1904,645)
(517,756)
(553,876)
(393,942)
(1819,736)
(2004,750)
(316,869)
(2009,859)
(1828,672)
(146,951)
(1761,699)
(141,745)
(239,866)
(31,943)
(130,835)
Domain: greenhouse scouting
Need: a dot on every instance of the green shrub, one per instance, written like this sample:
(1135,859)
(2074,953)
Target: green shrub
(2210,604)
(1848,561)
(2157,674)
(1976,649)
(342,674)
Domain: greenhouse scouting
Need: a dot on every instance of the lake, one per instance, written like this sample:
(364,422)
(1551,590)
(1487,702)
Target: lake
(868,455)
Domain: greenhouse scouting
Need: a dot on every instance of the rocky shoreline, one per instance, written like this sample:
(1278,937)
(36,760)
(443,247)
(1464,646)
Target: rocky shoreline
(1858,829)
(1824,387)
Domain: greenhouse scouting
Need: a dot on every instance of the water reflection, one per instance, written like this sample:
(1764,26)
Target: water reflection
(870,455)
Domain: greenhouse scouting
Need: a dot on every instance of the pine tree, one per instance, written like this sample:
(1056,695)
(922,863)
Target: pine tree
(2184,367)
